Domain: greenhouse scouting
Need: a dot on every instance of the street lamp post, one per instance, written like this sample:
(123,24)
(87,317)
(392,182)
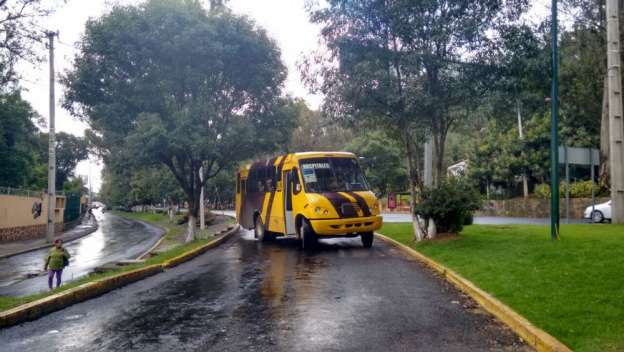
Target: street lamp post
(554,143)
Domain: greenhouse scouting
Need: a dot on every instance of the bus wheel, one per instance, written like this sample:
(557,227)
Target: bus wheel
(367,239)
(260,231)
(309,240)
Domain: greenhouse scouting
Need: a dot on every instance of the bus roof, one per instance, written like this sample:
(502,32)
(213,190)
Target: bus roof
(306,155)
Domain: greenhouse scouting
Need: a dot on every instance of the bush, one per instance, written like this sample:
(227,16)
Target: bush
(542,191)
(450,205)
(580,189)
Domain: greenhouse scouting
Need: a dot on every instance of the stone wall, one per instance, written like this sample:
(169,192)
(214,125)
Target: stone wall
(24,218)
(535,207)
(26,232)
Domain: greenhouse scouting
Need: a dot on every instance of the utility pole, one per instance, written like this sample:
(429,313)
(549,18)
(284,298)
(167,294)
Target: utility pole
(554,138)
(51,146)
(616,125)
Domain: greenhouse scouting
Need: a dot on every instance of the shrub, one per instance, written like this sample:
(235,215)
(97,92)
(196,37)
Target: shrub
(542,191)
(450,205)
(580,189)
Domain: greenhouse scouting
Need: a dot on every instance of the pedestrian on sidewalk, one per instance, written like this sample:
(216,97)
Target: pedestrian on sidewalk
(58,258)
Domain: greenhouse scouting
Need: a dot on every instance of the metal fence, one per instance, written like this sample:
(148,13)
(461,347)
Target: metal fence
(25,193)
(72,207)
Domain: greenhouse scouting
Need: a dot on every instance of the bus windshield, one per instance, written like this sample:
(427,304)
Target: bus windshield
(332,175)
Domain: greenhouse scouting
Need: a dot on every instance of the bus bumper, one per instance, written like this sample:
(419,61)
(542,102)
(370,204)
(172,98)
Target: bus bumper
(336,227)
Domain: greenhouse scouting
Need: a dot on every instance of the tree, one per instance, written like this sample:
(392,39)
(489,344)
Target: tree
(414,68)
(499,157)
(154,185)
(381,161)
(19,31)
(313,132)
(75,185)
(17,140)
(180,87)
(70,150)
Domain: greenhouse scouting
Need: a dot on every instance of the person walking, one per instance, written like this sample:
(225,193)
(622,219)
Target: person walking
(57,260)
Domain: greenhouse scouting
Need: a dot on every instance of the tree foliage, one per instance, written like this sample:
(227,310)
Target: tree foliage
(314,132)
(19,32)
(17,140)
(381,160)
(180,87)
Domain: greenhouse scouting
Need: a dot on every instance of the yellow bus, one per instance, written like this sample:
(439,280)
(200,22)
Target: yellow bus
(308,195)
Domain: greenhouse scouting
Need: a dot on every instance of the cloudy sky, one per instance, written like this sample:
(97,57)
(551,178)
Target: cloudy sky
(285,21)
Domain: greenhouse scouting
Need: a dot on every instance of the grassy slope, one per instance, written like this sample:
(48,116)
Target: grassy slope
(572,288)
(7,302)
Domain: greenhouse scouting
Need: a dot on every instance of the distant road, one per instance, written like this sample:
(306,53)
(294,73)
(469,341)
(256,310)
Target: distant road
(480,220)
(115,239)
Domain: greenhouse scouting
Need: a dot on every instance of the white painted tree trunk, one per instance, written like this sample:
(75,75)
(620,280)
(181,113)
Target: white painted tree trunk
(418,233)
(432,230)
(190,233)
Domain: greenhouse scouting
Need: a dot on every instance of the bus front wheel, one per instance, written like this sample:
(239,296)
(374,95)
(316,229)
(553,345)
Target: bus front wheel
(367,239)
(309,240)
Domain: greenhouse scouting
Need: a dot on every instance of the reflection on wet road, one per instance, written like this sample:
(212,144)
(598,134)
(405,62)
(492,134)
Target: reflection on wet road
(246,295)
(115,239)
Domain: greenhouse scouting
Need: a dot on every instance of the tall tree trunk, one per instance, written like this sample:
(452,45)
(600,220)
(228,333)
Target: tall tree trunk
(604,136)
(438,144)
(412,178)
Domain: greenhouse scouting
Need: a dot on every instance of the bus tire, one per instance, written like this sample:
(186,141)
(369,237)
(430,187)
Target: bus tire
(309,240)
(260,232)
(367,239)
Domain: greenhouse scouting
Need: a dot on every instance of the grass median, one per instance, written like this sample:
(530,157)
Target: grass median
(572,288)
(172,235)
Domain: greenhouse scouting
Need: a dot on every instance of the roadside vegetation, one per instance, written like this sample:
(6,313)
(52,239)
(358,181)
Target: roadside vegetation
(173,245)
(571,288)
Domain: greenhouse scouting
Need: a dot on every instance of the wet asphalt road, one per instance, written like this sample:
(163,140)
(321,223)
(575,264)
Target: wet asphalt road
(115,239)
(252,296)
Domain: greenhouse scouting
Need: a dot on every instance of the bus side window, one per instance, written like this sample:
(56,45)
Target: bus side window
(238,183)
(251,181)
(296,184)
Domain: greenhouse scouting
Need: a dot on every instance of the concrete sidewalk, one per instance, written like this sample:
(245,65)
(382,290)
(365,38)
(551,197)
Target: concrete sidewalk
(87,226)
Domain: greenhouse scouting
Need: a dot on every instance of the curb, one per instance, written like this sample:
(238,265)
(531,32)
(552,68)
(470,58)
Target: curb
(36,309)
(534,336)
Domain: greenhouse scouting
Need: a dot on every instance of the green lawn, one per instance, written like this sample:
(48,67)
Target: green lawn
(173,230)
(572,288)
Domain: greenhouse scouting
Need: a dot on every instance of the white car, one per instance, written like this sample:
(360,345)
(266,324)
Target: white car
(601,212)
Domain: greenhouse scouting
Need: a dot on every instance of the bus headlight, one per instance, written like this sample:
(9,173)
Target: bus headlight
(321,211)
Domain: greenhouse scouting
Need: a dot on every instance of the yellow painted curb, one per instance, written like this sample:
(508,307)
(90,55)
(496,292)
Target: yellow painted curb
(36,309)
(199,250)
(534,336)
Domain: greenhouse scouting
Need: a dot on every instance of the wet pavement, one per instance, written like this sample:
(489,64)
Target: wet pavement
(251,296)
(115,239)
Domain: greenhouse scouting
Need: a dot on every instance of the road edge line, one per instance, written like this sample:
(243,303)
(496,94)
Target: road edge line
(534,336)
(41,307)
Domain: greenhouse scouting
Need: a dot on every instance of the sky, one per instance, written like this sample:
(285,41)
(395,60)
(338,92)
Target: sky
(285,21)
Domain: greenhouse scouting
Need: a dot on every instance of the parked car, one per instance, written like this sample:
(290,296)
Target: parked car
(601,212)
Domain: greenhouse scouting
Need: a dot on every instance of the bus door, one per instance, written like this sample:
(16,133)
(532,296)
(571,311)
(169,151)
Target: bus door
(289,220)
